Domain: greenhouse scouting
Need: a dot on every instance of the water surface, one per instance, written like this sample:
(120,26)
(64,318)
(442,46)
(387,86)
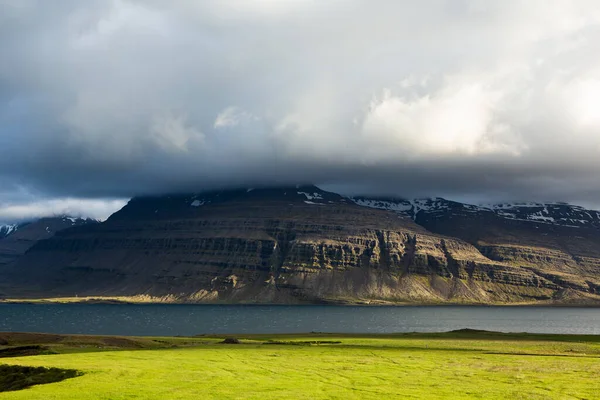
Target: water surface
(171,320)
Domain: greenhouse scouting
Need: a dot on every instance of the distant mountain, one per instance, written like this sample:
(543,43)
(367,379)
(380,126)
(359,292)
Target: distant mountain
(562,214)
(6,230)
(550,213)
(305,245)
(19,238)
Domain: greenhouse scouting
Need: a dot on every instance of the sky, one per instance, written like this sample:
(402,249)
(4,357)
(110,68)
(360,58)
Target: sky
(474,100)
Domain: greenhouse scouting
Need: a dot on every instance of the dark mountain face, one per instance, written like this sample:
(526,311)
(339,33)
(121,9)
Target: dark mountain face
(302,244)
(23,236)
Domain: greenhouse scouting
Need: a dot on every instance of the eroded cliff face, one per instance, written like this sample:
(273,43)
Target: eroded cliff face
(568,256)
(291,245)
(556,241)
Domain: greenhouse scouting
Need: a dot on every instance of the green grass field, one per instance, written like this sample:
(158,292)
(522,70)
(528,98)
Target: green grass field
(434,366)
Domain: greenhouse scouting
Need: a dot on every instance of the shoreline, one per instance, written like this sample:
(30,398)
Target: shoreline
(146,300)
(464,333)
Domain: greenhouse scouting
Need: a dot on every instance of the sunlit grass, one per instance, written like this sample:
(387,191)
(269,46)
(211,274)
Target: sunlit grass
(408,366)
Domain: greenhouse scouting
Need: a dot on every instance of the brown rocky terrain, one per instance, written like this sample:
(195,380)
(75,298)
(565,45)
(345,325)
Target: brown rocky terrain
(568,256)
(301,244)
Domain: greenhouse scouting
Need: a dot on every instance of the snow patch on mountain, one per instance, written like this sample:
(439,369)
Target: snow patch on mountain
(6,230)
(313,203)
(409,208)
(399,206)
(313,196)
(511,206)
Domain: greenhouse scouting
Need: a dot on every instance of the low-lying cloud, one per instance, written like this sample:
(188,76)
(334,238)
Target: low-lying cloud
(457,98)
(86,208)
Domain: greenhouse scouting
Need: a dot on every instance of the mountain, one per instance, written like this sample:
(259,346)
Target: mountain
(562,214)
(19,238)
(305,245)
(6,230)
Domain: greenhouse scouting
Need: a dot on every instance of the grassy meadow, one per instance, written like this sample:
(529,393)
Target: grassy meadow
(421,366)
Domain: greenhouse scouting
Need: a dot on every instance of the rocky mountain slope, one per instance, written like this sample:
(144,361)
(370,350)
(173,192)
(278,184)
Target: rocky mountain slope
(19,238)
(558,241)
(302,244)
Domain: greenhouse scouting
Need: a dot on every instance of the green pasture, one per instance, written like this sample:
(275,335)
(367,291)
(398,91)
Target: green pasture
(436,366)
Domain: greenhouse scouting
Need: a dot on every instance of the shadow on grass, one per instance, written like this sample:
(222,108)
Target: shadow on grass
(15,377)
(21,351)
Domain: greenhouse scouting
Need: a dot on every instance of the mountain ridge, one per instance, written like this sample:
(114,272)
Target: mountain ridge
(560,213)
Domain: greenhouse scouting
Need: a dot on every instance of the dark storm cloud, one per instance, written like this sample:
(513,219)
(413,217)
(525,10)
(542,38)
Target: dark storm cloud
(469,99)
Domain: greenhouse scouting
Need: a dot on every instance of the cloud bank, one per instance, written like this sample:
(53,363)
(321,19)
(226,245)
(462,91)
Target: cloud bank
(457,98)
(86,208)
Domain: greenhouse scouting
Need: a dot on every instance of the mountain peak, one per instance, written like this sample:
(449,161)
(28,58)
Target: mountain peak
(190,204)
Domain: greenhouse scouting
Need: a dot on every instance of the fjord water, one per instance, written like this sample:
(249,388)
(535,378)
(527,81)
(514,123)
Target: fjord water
(187,320)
